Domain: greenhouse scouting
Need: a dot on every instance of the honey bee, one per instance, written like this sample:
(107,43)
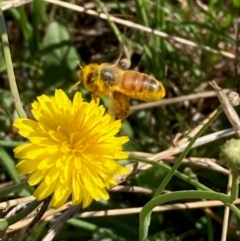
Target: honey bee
(120,84)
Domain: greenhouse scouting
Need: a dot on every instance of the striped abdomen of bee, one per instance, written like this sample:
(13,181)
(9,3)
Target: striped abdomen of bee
(141,86)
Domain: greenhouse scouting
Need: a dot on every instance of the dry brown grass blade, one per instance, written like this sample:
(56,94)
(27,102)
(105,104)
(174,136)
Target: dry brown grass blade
(132,189)
(227,107)
(195,96)
(140,27)
(127,211)
(52,232)
(194,131)
(14,3)
(217,218)
(173,151)
(11,203)
(226,211)
(24,232)
(235,122)
(207,163)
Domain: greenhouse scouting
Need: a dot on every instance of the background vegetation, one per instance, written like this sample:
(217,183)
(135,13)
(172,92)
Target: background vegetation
(193,42)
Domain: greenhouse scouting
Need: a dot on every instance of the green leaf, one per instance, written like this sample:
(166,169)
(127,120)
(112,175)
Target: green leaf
(39,9)
(2,62)
(151,177)
(236,3)
(9,164)
(58,47)
(20,15)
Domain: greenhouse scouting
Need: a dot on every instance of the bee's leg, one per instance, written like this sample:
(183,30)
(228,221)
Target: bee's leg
(124,63)
(74,86)
(94,97)
(112,108)
(121,105)
(79,81)
(119,57)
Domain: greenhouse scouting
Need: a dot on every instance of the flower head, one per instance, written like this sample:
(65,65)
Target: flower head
(71,150)
(230,154)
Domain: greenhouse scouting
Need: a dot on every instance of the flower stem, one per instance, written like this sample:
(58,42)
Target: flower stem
(178,174)
(184,153)
(9,64)
(235,182)
(14,188)
(144,223)
(180,195)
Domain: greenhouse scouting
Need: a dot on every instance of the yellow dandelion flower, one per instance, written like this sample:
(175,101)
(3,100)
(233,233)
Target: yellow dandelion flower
(71,150)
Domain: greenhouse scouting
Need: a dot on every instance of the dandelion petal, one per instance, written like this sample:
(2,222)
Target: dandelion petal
(72,150)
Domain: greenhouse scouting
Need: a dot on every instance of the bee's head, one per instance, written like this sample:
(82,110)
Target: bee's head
(89,76)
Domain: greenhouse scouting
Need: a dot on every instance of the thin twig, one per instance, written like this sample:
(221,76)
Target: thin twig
(15,210)
(60,222)
(225,224)
(132,189)
(200,162)
(176,150)
(218,219)
(227,108)
(201,5)
(26,221)
(195,96)
(194,131)
(8,204)
(13,4)
(24,232)
(199,142)
(140,27)
(9,64)
(126,211)
(164,208)
(237,53)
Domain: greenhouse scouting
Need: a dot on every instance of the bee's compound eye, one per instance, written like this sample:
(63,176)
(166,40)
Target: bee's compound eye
(107,75)
(90,78)
(124,64)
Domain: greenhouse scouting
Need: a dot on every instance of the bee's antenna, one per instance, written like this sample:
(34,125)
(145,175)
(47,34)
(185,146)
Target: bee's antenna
(80,66)
(74,86)
(122,48)
(119,56)
(79,81)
